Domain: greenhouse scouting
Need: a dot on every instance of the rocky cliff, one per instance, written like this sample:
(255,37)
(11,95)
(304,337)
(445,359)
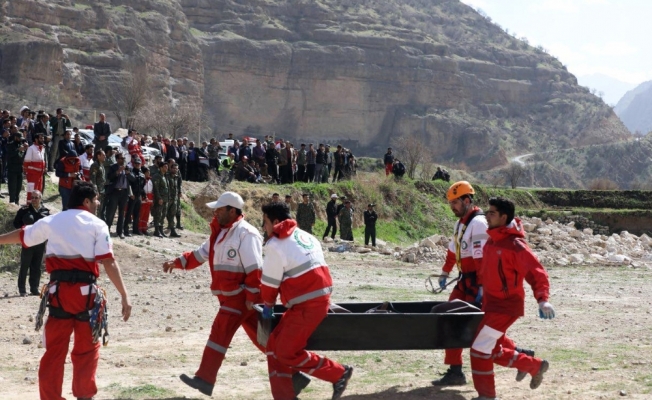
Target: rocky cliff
(361,72)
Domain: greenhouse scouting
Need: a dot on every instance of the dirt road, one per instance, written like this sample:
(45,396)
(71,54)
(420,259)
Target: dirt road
(599,344)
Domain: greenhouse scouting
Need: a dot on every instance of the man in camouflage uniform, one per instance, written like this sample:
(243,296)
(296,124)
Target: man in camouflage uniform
(213,152)
(345,217)
(174,188)
(98,179)
(161,198)
(306,214)
(153,170)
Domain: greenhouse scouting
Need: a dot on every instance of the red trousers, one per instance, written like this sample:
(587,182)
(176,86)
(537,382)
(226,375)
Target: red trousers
(85,354)
(492,346)
(34,182)
(232,314)
(286,352)
(454,356)
(388,169)
(145,208)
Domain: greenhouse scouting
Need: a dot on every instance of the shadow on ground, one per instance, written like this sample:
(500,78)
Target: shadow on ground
(419,393)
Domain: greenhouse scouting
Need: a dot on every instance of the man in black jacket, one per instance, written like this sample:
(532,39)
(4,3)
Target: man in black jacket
(102,131)
(31,258)
(15,154)
(370,218)
(66,145)
(59,124)
(136,181)
(117,193)
(331,214)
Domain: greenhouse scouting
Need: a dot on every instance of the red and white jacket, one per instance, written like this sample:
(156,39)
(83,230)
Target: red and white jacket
(507,261)
(294,266)
(86,162)
(235,255)
(148,189)
(134,150)
(34,161)
(471,241)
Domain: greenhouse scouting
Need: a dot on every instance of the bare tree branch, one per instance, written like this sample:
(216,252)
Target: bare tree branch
(127,95)
(513,173)
(411,151)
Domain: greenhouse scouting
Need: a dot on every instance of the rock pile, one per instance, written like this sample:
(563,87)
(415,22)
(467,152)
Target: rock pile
(582,223)
(554,243)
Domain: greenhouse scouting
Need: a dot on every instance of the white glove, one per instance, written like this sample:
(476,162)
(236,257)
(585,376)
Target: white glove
(442,280)
(546,310)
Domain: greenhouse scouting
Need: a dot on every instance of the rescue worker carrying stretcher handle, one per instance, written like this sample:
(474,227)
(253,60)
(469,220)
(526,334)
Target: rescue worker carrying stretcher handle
(464,252)
(77,242)
(294,269)
(507,260)
(235,255)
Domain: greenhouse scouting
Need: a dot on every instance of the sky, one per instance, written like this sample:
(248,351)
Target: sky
(606,37)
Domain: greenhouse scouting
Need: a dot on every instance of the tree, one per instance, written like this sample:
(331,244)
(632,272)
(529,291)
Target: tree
(127,95)
(411,151)
(513,173)
(171,119)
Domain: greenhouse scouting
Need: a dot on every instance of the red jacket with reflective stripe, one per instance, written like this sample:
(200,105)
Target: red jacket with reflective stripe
(239,259)
(294,266)
(506,262)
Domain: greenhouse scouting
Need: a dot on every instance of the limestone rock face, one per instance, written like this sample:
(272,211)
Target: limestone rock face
(359,72)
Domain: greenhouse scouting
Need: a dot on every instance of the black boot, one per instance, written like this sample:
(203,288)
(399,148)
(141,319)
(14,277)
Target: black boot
(197,383)
(160,230)
(520,375)
(157,232)
(179,222)
(173,233)
(453,377)
(340,385)
(299,382)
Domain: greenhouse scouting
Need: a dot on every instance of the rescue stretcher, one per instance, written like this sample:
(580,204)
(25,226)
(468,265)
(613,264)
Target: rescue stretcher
(425,325)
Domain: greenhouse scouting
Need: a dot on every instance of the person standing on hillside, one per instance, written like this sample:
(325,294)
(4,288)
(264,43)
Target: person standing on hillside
(34,165)
(31,258)
(331,216)
(306,214)
(174,186)
(77,243)
(146,204)
(234,253)
(506,261)
(59,124)
(389,161)
(294,268)
(370,218)
(98,179)
(15,154)
(345,216)
(101,131)
(464,253)
(301,163)
(161,198)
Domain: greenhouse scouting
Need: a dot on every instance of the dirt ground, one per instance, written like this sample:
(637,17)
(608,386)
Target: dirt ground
(599,346)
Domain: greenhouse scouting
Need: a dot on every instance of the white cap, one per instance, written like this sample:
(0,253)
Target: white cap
(23,108)
(333,196)
(227,199)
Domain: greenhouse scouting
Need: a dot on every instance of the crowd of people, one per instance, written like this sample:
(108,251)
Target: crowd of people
(280,162)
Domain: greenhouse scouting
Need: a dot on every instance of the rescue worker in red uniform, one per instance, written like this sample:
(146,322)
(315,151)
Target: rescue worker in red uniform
(134,147)
(464,253)
(77,242)
(147,201)
(507,260)
(294,267)
(234,253)
(34,165)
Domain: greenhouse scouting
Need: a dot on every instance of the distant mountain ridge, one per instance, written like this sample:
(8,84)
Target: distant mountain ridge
(635,108)
(612,89)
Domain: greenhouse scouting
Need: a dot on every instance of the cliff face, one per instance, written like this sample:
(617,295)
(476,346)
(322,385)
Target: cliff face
(69,46)
(361,72)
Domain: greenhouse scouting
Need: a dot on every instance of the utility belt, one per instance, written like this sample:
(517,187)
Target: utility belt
(58,312)
(96,313)
(73,276)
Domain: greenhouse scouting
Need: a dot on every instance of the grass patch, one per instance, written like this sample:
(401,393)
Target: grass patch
(9,255)
(140,392)
(192,221)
